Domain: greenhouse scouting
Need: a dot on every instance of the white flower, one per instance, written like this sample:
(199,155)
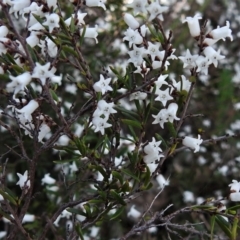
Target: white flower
(188,196)
(96,3)
(153,50)
(130,21)
(138,96)
(162,181)
(104,108)
(27,110)
(47,179)
(138,6)
(43,72)
(143,70)
(43,131)
(193,25)
(136,55)
(52,21)
(153,151)
(183,84)
(202,64)
(222,32)
(32,40)
(73,167)
(102,85)
(28,218)
(234,186)
(133,212)
(48,46)
(172,112)
(234,191)
(19,82)
(161,117)
(193,143)
(163,96)
(235,196)
(133,37)
(212,55)
(18,6)
(152,167)
(23,180)
(189,60)
(161,81)
(155,10)
(100,124)
(80,17)
(90,32)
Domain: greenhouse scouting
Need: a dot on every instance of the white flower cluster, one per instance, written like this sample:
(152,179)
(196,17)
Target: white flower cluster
(211,56)
(101,116)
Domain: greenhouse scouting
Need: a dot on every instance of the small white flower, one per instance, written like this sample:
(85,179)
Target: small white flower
(23,180)
(19,82)
(155,10)
(202,64)
(222,32)
(193,25)
(102,85)
(90,32)
(104,108)
(162,181)
(73,167)
(136,55)
(96,3)
(133,37)
(189,60)
(80,17)
(130,21)
(138,6)
(47,179)
(183,84)
(27,110)
(153,50)
(212,55)
(188,196)
(43,72)
(100,124)
(138,96)
(133,212)
(163,96)
(28,218)
(52,21)
(193,143)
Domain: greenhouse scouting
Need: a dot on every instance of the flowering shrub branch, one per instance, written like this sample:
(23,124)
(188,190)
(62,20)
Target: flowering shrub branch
(99,139)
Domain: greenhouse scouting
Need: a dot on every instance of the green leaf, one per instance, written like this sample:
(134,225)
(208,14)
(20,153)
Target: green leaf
(82,35)
(129,173)
(101,170)
(132,123)
(234,228)
(117,213)
(54,95)
(117,197)
(79,231)
(6,196)
(171,129)
(223,224)
(76,211)
(80,145)
(118,176)
(212,224)
(69,50)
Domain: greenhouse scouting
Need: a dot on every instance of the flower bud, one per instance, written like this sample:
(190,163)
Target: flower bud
(130,21)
